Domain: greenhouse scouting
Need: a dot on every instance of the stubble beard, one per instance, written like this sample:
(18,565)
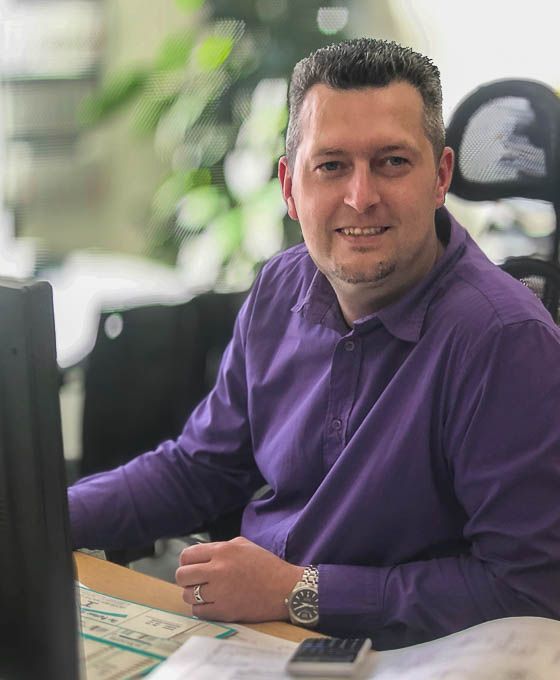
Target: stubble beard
(374,275)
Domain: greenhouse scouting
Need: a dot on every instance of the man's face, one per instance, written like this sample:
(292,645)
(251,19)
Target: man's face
(365,186)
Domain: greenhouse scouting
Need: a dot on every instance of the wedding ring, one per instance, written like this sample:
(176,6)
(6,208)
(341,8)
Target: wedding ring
(197,596)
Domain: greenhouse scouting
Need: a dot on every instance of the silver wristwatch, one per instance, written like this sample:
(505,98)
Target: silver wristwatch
(303,601)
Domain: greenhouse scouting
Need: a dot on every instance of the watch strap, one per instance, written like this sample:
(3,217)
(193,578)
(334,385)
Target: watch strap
(310,576)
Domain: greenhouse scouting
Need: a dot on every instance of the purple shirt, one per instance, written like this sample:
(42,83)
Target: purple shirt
(415,457)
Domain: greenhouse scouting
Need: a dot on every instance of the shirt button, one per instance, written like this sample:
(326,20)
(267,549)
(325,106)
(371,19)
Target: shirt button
(349,346)
(336,424)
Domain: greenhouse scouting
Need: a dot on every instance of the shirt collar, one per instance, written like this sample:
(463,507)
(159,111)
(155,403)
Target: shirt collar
(405,317)
(320,305)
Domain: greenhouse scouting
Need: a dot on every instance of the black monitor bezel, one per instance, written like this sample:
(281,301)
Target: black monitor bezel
(38,633)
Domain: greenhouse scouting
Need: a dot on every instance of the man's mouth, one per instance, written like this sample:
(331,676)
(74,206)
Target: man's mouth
(362,231)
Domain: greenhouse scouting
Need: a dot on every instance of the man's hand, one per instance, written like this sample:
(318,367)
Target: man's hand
(240,581)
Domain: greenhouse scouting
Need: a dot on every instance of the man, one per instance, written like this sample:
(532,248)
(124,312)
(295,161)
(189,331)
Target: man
(395,390)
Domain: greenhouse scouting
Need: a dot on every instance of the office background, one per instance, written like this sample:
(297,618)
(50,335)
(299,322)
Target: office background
(138,142)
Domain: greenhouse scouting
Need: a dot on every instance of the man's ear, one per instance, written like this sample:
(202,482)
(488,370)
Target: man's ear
(285,177)
(445,173)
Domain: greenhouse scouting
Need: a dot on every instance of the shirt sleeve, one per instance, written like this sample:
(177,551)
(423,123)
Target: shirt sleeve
(502,443)
(208,471)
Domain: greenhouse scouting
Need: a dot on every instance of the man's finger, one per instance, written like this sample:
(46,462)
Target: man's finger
(204,592)
(192,574)
(201,552)
(209,612)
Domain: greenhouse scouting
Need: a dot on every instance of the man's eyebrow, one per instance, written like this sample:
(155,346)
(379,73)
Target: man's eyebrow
(388,148)
(401,146)
(328,151)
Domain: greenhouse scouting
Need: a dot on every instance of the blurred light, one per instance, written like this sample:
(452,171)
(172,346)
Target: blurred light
(429,26)
(50,38)
(238,274)
(17,255)
(89,282)
(246,170)
(113,326)
(199,260)
(270,93)
(262,129)
(200,206)
(331,20)
(263,229)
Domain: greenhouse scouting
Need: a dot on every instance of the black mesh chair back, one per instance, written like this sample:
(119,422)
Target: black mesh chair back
(543,278)
(506,138)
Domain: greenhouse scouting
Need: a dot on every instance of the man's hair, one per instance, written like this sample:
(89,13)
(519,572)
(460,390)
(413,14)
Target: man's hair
(366,62)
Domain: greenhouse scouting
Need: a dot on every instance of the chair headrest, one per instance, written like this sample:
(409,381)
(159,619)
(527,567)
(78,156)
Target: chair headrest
(506,138)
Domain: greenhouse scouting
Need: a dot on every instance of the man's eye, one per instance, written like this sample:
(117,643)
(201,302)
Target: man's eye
(396,161)
(330,166)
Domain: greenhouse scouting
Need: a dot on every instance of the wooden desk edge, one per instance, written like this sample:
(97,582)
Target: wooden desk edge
(127,584)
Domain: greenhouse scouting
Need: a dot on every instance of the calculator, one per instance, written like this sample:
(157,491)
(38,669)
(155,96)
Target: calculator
(341,657)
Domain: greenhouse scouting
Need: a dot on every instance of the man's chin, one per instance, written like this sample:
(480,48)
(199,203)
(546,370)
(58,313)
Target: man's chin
(357,277)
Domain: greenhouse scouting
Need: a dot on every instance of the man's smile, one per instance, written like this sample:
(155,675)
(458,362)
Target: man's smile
(362,231)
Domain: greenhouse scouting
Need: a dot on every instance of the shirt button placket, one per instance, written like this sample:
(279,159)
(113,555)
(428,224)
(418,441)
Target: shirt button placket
(341,398)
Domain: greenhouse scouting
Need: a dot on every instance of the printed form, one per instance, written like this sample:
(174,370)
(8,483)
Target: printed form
(122,639)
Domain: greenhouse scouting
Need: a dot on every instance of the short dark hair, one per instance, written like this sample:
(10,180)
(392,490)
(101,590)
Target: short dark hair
(367,62)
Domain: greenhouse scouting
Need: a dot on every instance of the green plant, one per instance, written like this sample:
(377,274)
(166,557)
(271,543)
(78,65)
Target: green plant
(214,101)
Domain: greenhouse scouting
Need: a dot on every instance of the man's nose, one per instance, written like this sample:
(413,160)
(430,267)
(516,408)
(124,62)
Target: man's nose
(361,191)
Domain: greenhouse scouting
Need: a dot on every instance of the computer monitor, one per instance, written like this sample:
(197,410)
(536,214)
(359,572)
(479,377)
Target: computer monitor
(38,627)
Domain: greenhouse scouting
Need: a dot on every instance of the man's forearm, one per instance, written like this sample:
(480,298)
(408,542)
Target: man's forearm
(418,601)
(158,494)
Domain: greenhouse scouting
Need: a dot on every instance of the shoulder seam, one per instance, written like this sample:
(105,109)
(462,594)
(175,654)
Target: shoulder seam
(497,311)
(488,300)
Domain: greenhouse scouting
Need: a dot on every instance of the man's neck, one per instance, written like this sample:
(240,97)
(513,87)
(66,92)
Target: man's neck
(359,301)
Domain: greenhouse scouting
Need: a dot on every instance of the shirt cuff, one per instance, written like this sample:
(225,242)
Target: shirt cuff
(350,598)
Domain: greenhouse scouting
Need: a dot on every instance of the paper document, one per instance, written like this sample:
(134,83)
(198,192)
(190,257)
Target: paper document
(517,648)
(255,638)
(520,648)
(122,639)
(197,660)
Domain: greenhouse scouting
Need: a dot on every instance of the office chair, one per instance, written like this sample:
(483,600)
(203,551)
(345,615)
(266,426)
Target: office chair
(543,278)
(506,138)
(149,368)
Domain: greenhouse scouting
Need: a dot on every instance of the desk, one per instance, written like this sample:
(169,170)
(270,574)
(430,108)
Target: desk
(127,584)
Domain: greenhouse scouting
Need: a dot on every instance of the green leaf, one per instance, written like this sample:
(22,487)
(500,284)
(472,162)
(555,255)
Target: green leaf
(174,52)
(160,93)
(151,110)
(213,51)
(174,188)
(200,206)
(189,107)
(190,5)
(229,231)
(118,91)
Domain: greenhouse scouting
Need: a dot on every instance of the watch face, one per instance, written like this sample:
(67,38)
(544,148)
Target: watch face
(304,606)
